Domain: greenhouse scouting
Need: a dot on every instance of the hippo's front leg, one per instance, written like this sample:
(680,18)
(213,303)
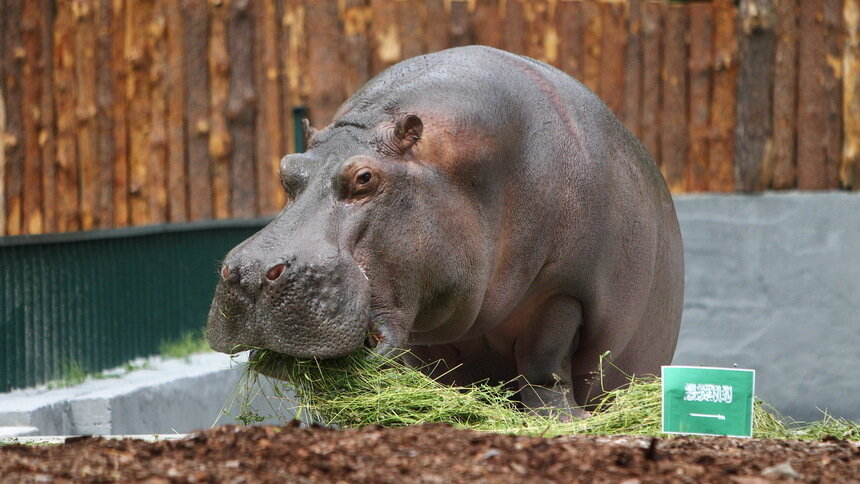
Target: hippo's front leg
(543,352)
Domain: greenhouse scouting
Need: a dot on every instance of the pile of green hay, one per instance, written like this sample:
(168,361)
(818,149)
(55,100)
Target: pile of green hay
(365,389)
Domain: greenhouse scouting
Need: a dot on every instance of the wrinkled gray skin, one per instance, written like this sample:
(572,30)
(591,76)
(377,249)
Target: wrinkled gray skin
(526,233)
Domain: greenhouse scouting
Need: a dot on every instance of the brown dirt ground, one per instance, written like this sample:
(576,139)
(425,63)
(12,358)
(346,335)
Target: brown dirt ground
(429,453)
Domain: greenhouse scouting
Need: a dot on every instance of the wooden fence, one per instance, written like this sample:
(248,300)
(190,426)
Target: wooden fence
(117,113)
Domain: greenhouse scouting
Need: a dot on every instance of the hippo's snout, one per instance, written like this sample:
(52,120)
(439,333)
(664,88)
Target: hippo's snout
(314,308)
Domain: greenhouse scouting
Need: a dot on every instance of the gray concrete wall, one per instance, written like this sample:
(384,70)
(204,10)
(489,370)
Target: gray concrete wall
(773,284)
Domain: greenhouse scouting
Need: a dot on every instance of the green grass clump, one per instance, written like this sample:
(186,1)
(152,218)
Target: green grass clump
(365,389)
(72,373)
(190,343)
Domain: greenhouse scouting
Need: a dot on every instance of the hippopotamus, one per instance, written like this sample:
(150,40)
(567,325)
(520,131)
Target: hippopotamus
(477,208)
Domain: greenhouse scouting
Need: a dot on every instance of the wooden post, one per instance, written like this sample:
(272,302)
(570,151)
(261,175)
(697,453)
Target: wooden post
(850,169)
(13,58)
(386,34)
(269,129)
(673,121)
(651,62)
(613,56)
(47,133)
(489,23)
(356,44)
(104,124)
(633,69)
(220,143)
(242,108)
(701,60)
(721,148)
(412,17)
(177,181)
(812,105)
(197,122)
(571,28)
(785,97)
(754,128)
(515,28)
(119,112)
(156,171)
(592,42)
(65,184)
(834,45)
(34,63)
(436,27)
(85,110)
(324,64)
(460,23)
(295,49)
(2,145)
(139,17)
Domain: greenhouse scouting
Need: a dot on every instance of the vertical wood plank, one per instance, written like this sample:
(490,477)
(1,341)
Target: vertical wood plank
(613,56)
(592,41)
(785,97)
(488,23)
(197,123)
(721,148)
(269,129)
(571,27)
(652,20)
(295,87)
(701,60)
(177,181)
(850,169)
(324,74)
(220,143)
(386,34)
(156,171)
(515,27)
(66,183)
(834,44)
(674,122)
(412,17)
(139,17)
(356,44)
(633,68)
(754,128)
(436,27)
(119,112)
(85,110)
(13,60)
(242,108)
(460,23)
(2,135)
(105,148)
(811,109)
(33,122)
(47,144)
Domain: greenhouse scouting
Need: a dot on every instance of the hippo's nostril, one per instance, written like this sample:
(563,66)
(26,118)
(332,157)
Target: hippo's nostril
(228,275)
(275,272)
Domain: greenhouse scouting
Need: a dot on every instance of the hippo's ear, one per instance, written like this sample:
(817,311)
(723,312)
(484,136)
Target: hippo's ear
(407,130)
(309,131)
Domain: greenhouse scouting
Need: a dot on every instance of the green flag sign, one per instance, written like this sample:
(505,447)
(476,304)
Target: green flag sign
(708,401)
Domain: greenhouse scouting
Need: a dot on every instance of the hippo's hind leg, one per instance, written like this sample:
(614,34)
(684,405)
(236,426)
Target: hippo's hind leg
(543,356)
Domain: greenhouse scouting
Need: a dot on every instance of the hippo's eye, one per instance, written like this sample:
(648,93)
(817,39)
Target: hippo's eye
(363,177)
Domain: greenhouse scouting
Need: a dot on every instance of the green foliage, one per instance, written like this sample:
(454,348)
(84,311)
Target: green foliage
(192,342)
(365,389)
(72,373)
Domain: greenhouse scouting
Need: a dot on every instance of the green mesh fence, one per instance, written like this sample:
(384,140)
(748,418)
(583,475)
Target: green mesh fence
(99,299)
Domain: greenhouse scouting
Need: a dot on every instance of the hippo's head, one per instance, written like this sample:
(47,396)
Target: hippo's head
(368,248)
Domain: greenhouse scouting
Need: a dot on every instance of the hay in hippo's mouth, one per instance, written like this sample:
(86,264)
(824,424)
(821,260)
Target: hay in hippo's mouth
(367,389)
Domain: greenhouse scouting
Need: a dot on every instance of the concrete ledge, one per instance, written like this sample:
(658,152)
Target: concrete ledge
(773,284)
(172,396)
